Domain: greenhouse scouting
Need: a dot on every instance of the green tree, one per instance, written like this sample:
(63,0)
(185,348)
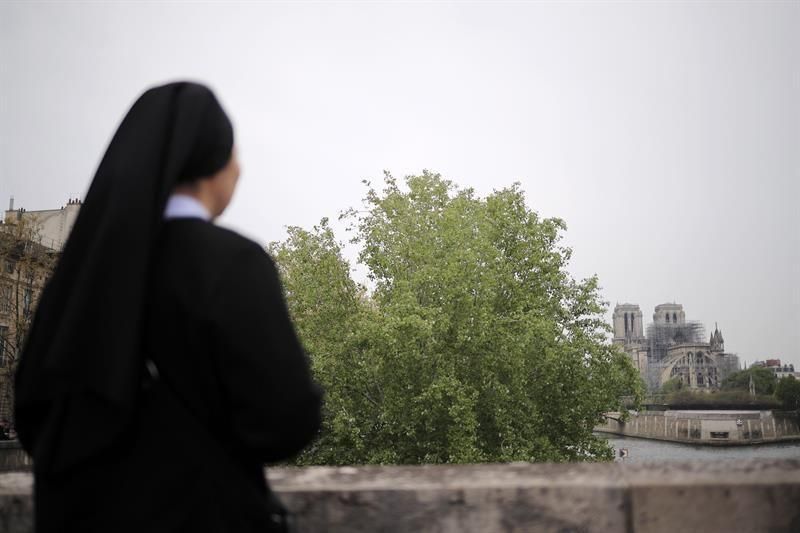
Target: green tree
(764,380)
(475,344)
(671,386)
(333,318)
(787,391)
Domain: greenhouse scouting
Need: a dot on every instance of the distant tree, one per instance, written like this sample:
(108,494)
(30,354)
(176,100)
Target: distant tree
(671,385)
(787,391)
(763,379)
(475,344)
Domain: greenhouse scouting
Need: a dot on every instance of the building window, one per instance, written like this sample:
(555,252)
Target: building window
(3,345)
(27,299)
(626,324)
(674,318)
(667,318)
(5,298)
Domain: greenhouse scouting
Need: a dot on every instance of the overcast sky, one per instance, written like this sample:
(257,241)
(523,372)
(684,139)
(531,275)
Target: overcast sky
(667,135)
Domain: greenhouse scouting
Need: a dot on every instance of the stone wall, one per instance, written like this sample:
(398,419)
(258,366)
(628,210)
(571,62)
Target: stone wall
(753,496)
(707,427)
(13,457)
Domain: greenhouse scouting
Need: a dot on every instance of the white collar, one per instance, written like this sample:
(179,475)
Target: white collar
(185,206)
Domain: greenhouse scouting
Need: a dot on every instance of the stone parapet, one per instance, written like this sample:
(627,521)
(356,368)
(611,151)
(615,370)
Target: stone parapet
(752,495)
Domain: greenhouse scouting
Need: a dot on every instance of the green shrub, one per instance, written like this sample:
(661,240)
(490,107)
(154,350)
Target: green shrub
(787,391)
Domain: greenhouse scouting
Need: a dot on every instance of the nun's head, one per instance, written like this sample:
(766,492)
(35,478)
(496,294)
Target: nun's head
(221,185)
(211,170)
(214,191)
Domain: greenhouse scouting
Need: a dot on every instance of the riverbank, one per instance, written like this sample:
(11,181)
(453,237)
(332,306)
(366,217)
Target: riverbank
(711,428)
(638,450)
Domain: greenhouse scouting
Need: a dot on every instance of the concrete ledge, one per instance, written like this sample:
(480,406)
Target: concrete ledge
(724,496)
(13,457)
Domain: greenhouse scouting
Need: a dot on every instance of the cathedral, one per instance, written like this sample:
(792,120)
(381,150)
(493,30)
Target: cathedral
(673,348)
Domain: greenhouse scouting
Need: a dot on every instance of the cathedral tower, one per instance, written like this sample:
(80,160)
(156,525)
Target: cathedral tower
(627,323)
(669,314)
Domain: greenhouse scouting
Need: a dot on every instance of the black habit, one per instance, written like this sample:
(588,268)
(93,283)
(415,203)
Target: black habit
(161,371)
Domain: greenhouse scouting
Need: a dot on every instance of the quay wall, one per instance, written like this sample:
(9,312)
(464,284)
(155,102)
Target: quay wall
(721,428)
(753,495)
(13,457)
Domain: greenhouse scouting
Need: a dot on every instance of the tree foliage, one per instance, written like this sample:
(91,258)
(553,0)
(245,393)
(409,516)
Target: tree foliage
(671,386)
(474,343)
(787,391)
(764,380)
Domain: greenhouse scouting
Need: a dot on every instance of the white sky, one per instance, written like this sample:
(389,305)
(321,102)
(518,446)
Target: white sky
(666,135)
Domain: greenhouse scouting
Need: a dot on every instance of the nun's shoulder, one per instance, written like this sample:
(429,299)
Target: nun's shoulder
(240,257)
(197,241)
(203,259)
(229,243)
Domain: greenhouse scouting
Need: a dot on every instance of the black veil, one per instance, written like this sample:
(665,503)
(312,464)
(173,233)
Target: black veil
(79,372)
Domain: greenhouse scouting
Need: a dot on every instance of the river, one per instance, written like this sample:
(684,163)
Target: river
(656,450)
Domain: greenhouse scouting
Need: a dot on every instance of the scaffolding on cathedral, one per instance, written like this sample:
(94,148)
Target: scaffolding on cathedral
(663,336)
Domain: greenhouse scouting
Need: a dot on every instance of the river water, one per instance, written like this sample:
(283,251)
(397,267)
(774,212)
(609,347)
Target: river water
(656,450)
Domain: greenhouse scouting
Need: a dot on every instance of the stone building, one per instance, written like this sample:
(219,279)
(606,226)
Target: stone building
(673,348)
(52,226)
(30,242)
(780,371)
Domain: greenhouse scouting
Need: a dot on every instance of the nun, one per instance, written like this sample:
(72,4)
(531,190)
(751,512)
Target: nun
(161,370)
